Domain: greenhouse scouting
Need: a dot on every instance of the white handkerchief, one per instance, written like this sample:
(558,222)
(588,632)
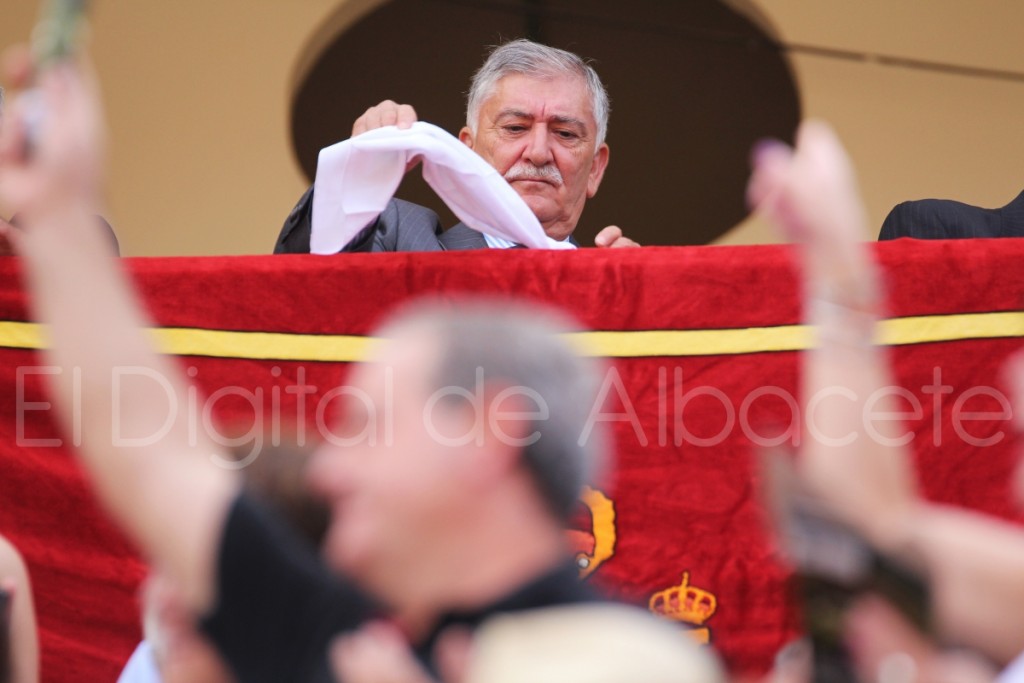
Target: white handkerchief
(356,178)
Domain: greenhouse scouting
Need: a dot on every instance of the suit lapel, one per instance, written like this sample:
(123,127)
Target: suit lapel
(460,236)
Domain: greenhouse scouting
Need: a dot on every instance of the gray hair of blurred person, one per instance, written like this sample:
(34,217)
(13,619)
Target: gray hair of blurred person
(538,61)
(521,345)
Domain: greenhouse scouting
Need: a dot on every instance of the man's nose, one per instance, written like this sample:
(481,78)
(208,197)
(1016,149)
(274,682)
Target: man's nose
(538,147)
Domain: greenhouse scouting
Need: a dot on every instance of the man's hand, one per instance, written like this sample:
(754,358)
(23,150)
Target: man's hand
(379,653)
(51,146)
(51,171)
(376,653)
(612,237)
(387,113)
(886,648)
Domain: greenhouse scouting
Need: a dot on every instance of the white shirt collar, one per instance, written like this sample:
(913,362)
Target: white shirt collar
(502,243)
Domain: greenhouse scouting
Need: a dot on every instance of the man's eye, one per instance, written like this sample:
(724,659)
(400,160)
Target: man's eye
(515,128)
(567,135)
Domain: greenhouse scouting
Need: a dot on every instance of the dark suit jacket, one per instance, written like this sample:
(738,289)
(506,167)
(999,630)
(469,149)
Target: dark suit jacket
(944,219)
(403,226)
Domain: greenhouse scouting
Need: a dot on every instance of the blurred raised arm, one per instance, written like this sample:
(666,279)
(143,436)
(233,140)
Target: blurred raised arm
(164,490)
(863,467)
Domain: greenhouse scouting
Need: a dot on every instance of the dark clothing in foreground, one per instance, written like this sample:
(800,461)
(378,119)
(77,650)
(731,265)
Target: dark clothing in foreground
(278,606)
(403,226)
(945,219)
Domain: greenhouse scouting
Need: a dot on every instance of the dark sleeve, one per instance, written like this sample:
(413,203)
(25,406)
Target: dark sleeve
(297,228)
(894,225)
(277,606)
(937,219)
(402,226)
(294,237)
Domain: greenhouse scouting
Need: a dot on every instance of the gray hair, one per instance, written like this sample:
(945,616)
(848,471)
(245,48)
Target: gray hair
(521,346)
(533,59)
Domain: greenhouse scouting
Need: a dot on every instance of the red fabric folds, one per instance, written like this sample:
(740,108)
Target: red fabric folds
(683,490)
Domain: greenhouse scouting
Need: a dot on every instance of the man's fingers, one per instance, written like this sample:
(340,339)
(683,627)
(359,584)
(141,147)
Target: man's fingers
(612,237)
(376,653)
(608,235)
(387,113)
(406,116)
(770,161)
(368,121)
(371,119)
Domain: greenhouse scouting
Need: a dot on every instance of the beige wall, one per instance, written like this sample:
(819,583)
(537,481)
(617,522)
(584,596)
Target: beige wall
(197,98)
(912,133)
(197,93)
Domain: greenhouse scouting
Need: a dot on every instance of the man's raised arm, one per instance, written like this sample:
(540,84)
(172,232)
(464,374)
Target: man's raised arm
(168,495)
(973,562)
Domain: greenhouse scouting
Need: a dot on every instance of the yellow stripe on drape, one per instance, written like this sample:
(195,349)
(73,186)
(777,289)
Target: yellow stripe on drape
(185,341)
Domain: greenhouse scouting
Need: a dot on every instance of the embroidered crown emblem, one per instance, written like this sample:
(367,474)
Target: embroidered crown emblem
(684,603)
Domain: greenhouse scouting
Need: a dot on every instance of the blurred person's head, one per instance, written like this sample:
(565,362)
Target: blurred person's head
(464,434)
(583,643)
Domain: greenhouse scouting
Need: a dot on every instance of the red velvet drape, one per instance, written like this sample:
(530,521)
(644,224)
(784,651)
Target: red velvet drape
(683,492)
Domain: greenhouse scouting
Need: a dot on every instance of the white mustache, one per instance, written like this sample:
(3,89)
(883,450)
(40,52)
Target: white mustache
(525,171)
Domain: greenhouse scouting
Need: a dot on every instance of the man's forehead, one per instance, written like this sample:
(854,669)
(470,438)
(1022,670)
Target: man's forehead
(405,357)
(561,97)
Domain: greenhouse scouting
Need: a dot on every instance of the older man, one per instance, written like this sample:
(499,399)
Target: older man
(465,444)
(539,116)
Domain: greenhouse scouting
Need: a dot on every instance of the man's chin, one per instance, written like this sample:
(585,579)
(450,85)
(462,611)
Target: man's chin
(542,207)
(343,554)
(549,214)
(558,233)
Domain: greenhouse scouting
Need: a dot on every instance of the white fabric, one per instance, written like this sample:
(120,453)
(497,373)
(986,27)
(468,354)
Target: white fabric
(141,667)
(1014,671)
(499,243)
(356,178)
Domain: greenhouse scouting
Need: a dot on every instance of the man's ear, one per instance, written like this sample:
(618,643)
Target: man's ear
(466,136)
(511,416)
(597,168)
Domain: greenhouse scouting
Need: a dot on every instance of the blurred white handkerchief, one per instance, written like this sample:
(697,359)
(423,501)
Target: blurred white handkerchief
(356,178)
